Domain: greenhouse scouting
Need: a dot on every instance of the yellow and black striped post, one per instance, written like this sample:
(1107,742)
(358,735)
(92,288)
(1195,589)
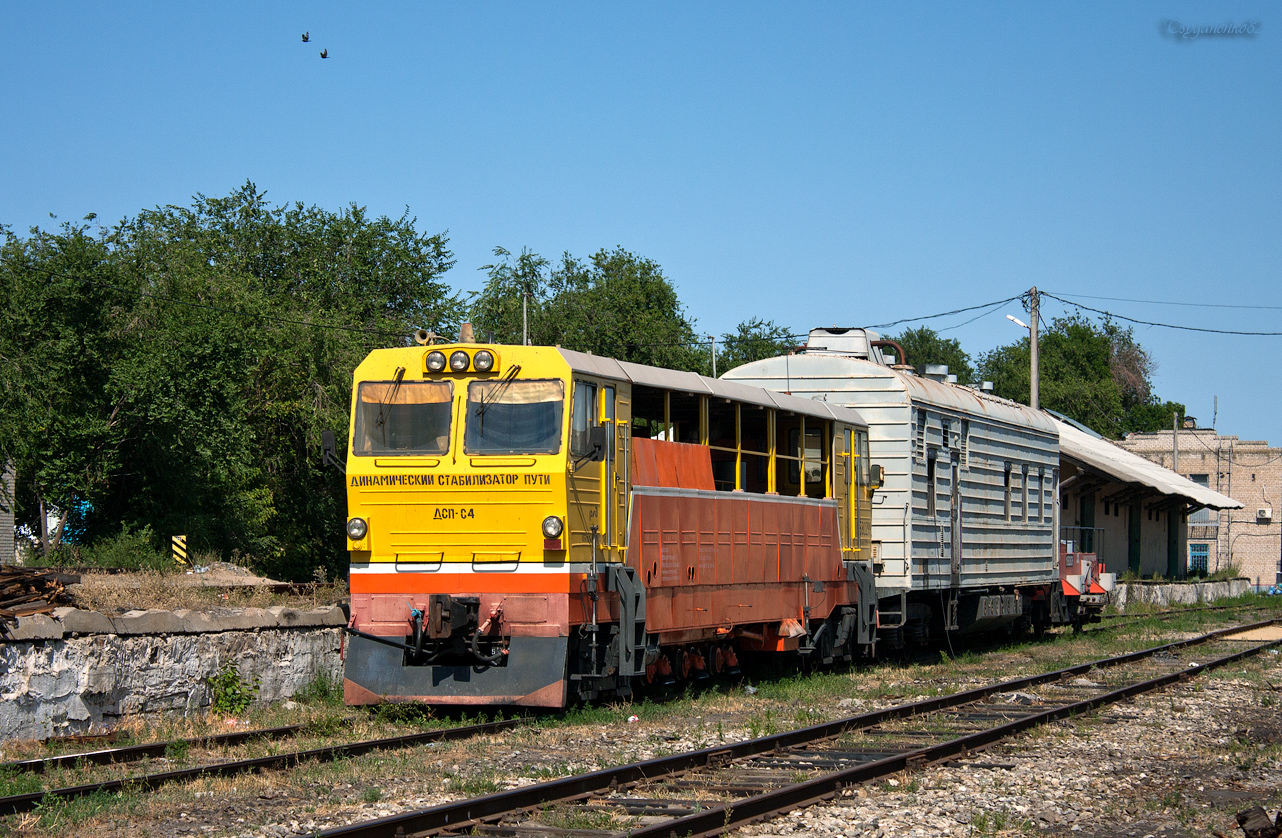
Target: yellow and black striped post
(180,550)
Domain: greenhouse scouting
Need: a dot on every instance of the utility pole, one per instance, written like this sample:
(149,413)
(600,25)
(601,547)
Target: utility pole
(525,321)
(1033,305)
(1175,441)
(713,338)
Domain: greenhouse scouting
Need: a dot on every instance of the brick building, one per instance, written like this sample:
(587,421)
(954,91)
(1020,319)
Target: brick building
(1249,471)
(1127,510)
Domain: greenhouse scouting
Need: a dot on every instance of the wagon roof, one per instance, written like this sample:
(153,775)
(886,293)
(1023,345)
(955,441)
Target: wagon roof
(690,382)
(813,372)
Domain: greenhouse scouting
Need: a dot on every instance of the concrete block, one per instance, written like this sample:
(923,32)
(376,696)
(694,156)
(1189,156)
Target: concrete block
(287,617)
(240,619)
(331,615)
(34,627)
(77,621)
(196,622)
(154,621)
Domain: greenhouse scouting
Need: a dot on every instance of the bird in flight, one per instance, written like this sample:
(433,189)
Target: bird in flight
(307,36)
(325,53)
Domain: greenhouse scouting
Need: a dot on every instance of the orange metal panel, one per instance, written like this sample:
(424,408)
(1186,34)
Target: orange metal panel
(770,541)
(666,463)
(644,470)
(714,561)
(694,463)
(656,462)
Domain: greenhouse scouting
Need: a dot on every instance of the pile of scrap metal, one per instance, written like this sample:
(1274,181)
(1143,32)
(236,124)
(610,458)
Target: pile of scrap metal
(31,590)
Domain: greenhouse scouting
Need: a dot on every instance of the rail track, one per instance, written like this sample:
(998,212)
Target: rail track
(1112,621)
(134,753)
(713,790)
(803,751)
(14,804)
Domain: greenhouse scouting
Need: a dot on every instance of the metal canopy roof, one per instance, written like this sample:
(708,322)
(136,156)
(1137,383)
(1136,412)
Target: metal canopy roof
(1117,462)
(690,382)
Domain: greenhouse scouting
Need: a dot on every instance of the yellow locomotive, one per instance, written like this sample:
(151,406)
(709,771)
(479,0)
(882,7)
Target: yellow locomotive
(533,525)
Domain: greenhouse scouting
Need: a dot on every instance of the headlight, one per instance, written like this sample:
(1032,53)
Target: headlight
(483,360)
(356,528)
(552,527)
(435,360)
(458,361)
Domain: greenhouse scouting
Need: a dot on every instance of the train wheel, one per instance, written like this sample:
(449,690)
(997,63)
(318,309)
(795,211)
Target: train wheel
(716,661)
(684,664)
(730,659)
(698,664)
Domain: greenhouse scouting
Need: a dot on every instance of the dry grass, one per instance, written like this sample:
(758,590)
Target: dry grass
(172,591)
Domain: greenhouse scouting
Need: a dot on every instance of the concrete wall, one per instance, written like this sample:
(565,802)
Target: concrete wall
(81,670)
(1134,593)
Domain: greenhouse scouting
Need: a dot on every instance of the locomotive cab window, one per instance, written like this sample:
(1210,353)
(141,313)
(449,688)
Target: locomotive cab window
(513,417)
(402,418)
(583,418)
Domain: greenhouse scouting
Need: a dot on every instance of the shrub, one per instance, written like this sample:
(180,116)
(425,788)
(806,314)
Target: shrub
(321,690)
(128,549)
(229,692)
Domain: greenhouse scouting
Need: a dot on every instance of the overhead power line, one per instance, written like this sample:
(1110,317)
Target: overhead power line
(944,313)
(1166,302)
(1162,325)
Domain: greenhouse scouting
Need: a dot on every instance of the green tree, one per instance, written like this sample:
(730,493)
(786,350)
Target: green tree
(753,340)
(924,346)
(615,303)
(61,422)
(516,294)
(180,366)
(1093,372)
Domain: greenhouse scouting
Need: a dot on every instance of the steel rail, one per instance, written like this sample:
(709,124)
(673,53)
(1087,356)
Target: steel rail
(133,753)
(721,819)
(26,802)
(465,812)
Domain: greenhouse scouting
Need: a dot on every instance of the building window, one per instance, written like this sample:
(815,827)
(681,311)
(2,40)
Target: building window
(1202,516)
(1199,555)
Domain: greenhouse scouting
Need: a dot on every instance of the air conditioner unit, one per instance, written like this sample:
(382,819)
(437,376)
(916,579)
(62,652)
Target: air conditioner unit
(1264,513)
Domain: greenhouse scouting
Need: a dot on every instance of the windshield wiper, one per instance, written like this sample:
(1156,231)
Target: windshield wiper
(381,421)
(498,390)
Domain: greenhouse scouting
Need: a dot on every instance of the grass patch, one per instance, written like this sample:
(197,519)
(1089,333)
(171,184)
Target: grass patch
(13,782)
(472,786)
(59,816)
(407,714)
(596,820)
(321,691)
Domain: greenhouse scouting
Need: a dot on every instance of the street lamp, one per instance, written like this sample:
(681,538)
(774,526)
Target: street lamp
(1032,346)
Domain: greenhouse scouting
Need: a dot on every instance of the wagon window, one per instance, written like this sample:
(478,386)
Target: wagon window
(815,456)
(514,417)
(402,418)
(583,418)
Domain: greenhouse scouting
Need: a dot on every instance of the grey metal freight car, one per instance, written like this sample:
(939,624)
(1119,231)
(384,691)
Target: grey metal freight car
(965,526)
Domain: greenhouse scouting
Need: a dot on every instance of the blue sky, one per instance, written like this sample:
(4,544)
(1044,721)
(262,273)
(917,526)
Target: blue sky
(810,163)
